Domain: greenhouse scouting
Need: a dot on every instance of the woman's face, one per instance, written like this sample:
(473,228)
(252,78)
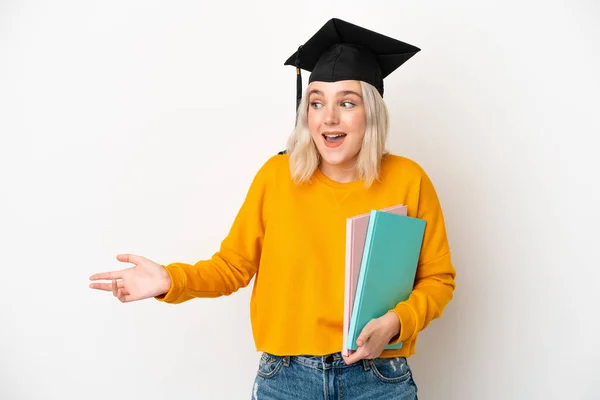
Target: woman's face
(337,121)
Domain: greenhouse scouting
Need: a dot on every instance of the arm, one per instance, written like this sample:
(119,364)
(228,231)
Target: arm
(434,281)
(237,260)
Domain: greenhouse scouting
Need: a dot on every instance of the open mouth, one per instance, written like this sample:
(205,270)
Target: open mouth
(333,139)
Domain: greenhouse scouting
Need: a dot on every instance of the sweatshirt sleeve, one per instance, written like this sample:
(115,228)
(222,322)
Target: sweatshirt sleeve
(434,280)
(235,263)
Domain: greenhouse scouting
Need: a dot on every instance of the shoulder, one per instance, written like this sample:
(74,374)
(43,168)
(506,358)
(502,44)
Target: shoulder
(396,166)
(275,166)
(407,174)
(276,163)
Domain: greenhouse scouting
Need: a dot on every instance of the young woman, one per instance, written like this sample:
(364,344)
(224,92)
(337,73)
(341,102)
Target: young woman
(290,235)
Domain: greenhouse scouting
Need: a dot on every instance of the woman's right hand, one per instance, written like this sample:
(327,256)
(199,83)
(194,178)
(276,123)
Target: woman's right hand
(144,280)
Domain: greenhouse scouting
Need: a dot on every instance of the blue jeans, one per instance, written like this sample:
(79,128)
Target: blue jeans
(329,378)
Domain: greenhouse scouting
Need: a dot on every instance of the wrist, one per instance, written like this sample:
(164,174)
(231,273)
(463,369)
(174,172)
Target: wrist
(166,281)
(392,323)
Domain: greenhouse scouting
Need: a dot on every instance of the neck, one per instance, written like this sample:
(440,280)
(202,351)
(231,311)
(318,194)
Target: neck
(339,173)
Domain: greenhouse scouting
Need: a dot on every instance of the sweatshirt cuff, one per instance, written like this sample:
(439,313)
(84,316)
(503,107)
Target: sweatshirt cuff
(408,323)
(177,285)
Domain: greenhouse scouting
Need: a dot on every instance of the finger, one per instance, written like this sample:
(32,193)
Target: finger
(106,286)
(365,334)
(354,357)
(347,359)
(124,296)
(107,275)
(130,258)
(115,288)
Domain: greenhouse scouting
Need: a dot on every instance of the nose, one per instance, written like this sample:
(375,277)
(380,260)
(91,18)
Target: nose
(331,115)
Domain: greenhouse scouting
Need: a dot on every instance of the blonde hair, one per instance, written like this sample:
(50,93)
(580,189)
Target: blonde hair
(305,157)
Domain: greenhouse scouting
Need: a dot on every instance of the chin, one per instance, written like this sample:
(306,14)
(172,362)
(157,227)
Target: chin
(333,158)
(338,156)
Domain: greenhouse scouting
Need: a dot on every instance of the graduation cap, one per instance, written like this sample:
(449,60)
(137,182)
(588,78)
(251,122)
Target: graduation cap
(344,51)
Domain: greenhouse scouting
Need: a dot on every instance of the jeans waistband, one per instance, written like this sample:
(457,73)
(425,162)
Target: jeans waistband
(334,360)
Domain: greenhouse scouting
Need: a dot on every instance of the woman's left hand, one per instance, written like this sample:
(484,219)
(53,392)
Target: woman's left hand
(374,337)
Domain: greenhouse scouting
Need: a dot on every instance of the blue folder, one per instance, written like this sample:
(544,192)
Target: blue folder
(387,273)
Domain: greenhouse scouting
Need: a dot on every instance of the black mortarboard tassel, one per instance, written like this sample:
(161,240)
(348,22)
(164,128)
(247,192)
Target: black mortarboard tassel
(344,51)
(298,78)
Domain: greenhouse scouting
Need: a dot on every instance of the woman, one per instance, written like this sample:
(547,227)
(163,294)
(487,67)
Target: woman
(290,234)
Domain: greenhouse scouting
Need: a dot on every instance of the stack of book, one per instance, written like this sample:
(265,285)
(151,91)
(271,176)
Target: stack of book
(382,254)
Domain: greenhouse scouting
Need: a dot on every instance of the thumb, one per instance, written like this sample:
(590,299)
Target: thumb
(129,258)
(365,334)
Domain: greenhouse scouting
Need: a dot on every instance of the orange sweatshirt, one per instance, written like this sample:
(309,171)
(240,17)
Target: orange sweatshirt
(291,239)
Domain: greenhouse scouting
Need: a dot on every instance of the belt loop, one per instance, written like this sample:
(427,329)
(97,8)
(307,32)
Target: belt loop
(286,361)
(366,364)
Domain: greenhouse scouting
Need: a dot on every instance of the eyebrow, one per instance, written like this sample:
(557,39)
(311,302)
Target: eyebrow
(342,93)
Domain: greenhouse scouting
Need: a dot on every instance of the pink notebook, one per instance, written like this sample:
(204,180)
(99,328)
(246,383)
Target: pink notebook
(356,231)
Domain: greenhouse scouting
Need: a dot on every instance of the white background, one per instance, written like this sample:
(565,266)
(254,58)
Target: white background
(137,126)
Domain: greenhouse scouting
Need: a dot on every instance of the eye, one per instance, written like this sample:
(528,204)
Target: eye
(316,104)
(347,104)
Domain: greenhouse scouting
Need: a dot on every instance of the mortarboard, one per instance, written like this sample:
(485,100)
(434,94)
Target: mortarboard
(344,51)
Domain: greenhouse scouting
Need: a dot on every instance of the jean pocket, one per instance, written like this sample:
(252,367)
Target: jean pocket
(391,370)
(269,365)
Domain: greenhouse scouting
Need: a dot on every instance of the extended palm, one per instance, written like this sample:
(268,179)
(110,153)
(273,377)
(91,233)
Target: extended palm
(144,280)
